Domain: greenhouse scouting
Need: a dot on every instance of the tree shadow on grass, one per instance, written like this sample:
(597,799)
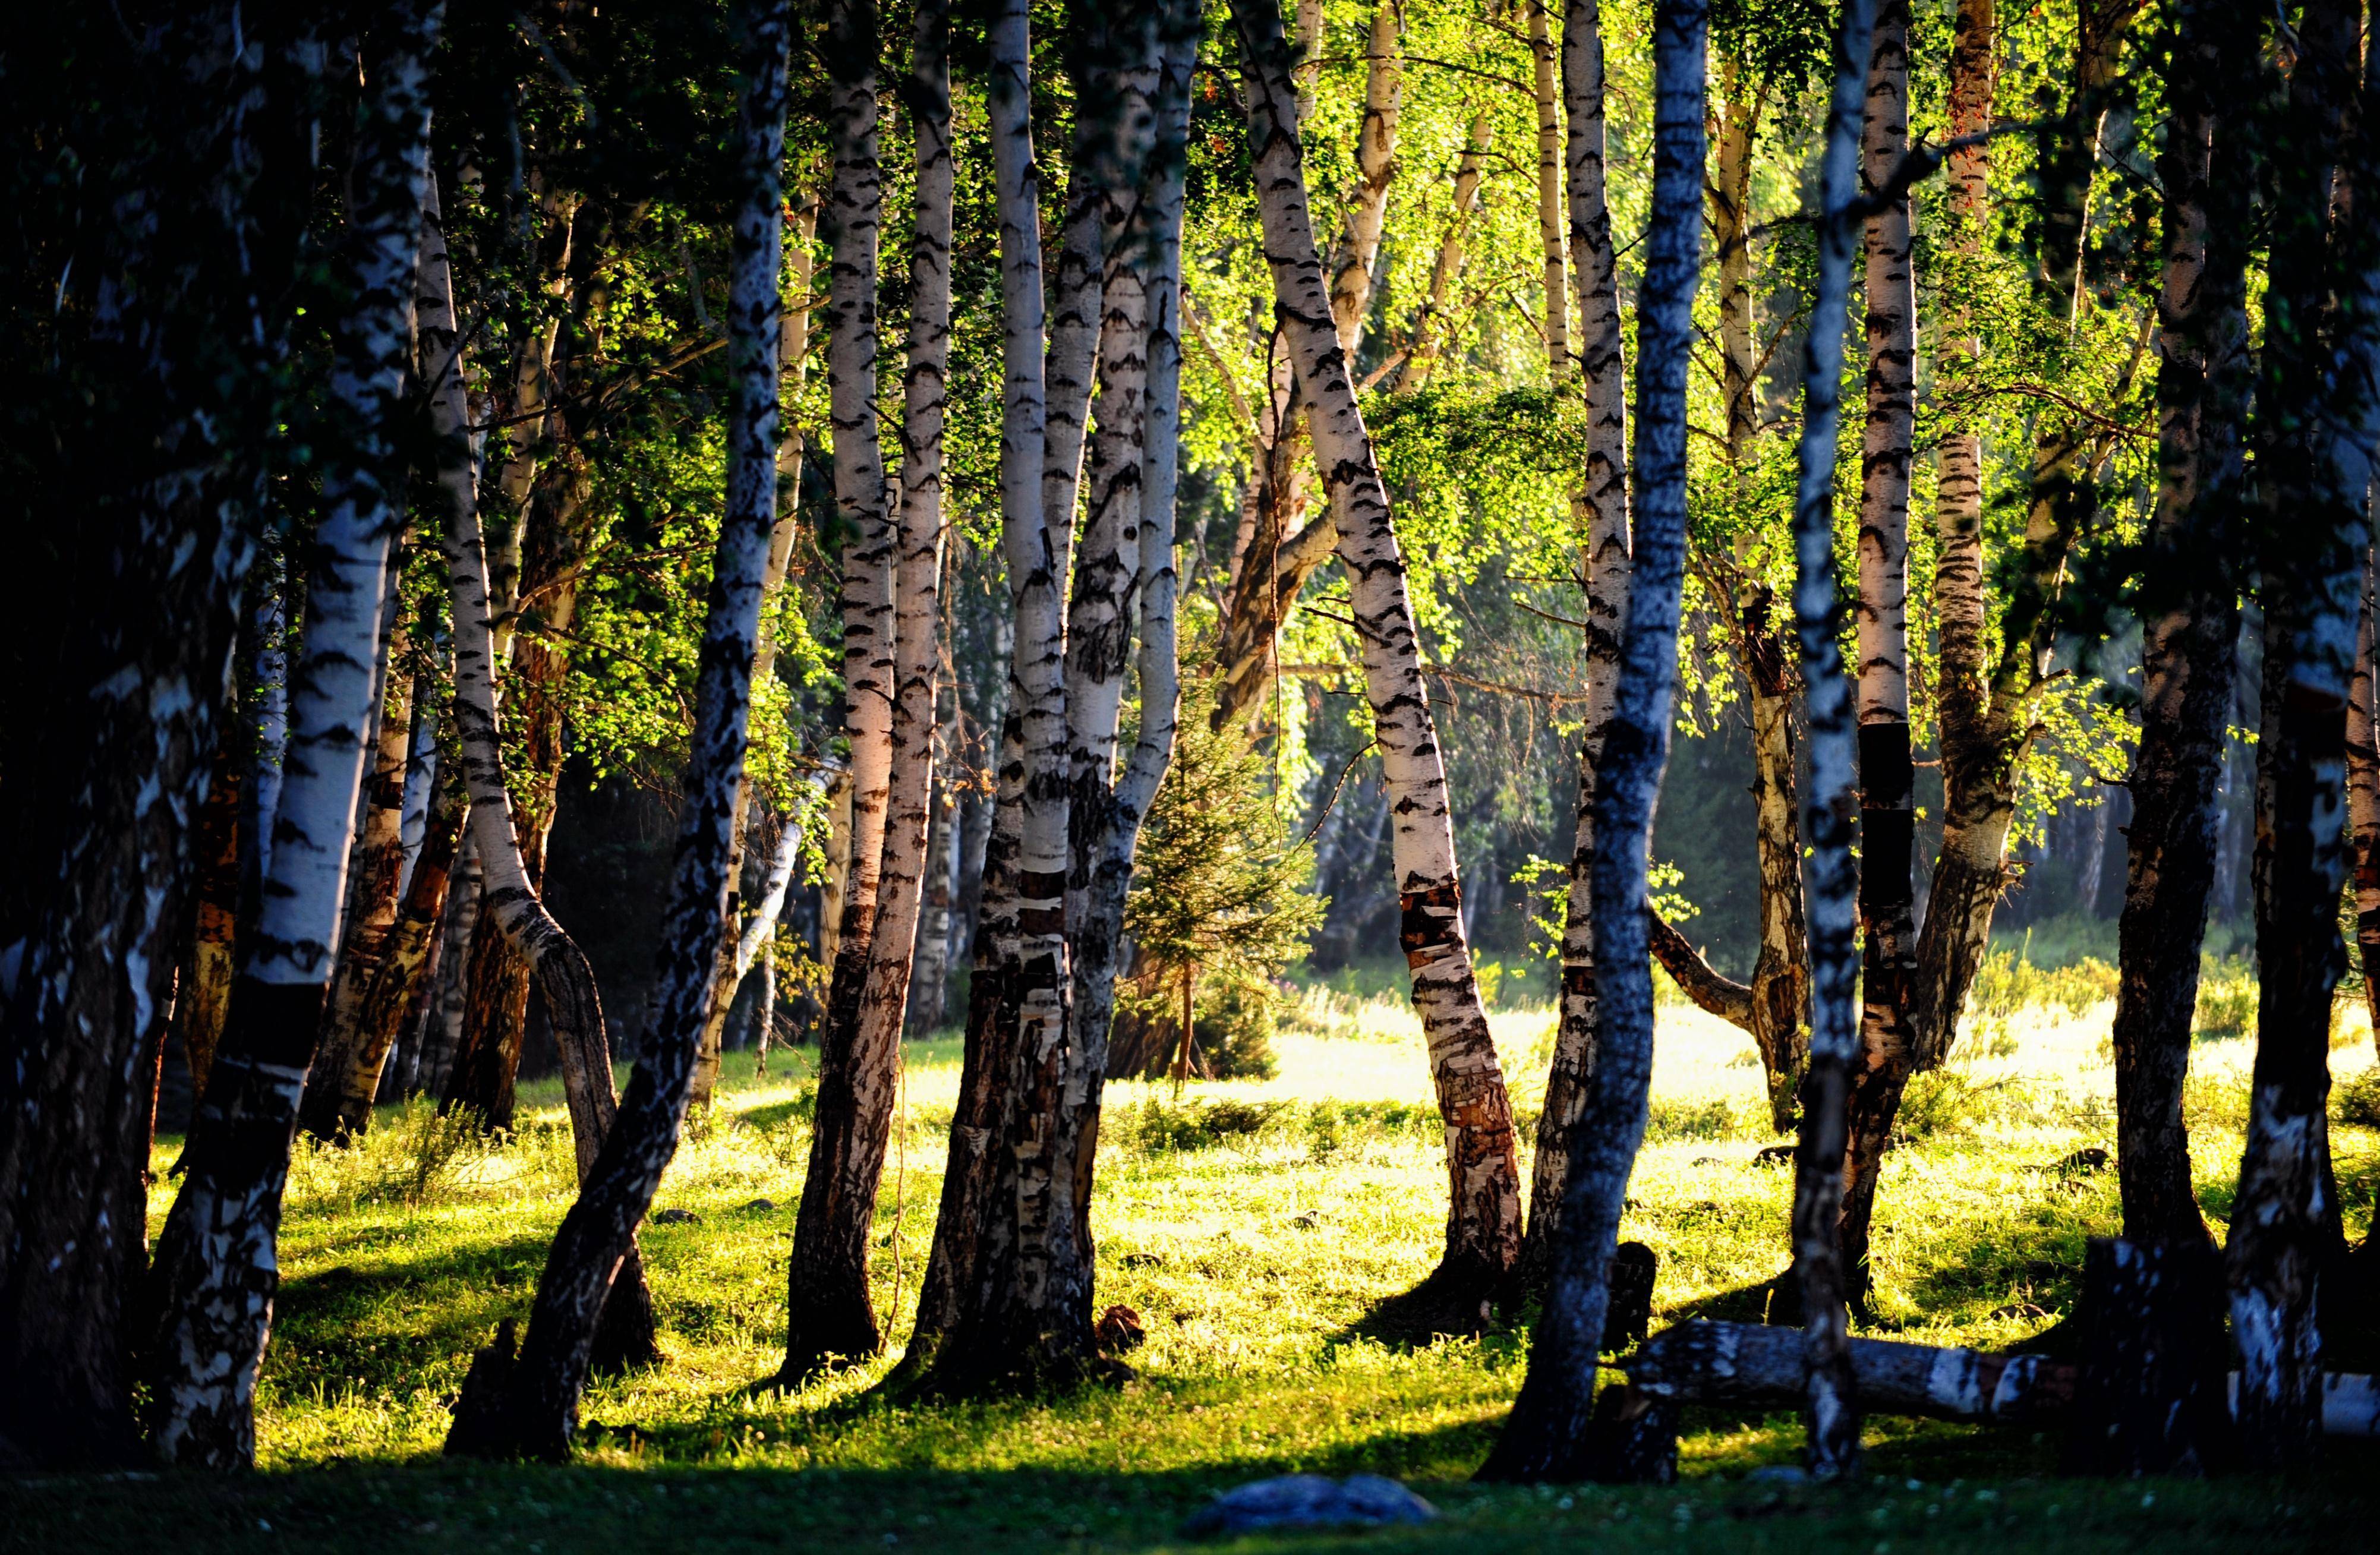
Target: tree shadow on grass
(1442,1307)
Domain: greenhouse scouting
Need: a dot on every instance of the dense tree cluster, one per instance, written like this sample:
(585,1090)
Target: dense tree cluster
(861,437)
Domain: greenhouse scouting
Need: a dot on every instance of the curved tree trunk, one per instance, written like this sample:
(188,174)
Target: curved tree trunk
(831,1314)
(1431,326)
(209,1301)
(1375,166)
(529,1407)
(1547,1435)
(1484,1218)
(510,898)
(1888,804)
(1604,495)
(2189,618)
(1820,1278)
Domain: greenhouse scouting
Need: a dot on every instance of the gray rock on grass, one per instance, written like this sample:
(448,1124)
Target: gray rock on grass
(1308,1500)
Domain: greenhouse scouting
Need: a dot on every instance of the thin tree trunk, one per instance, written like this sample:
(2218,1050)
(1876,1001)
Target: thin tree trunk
(1888,777)
(210,1295)
(1604,496)
(1548,1437)
(1483,1217)
(202,994)
(1431,326)
(442,1025)
(2363,803)
(394,994)
(830,1314)
(1375,166)
(793,360)
(1985,709)
(2190,616)
(372,905)
(1820,1278)
(930,977)
(1552,168)
(510,899)
(1776,999)
(529,1407)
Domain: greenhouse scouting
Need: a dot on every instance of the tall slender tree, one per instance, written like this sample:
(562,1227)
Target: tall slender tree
(831,1314)
(2189,611)
(527,1406)
(209,1305)
(1483,1215)
(1548,1437)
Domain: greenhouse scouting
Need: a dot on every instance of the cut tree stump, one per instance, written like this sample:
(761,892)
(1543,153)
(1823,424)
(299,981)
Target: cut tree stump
(1629,1317)
(2149,1398)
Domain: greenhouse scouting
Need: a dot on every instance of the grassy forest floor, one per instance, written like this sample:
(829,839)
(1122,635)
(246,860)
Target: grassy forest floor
(1257,1227)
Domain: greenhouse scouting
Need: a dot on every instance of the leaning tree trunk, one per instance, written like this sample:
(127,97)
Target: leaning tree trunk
(1888,804)
(793,360)
(528,1406)
(574,1005)
(1483,1217)
(1603,494)
(373,906)
(1821,1278)
(1430,325)
(1547,1435)
(1375,166)
(209,1301)
(830,1314)
(2189,614)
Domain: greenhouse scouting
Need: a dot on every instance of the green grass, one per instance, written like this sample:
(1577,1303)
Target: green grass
(1255,1227)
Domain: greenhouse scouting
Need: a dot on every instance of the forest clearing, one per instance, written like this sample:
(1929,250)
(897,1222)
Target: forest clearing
(1258,1227)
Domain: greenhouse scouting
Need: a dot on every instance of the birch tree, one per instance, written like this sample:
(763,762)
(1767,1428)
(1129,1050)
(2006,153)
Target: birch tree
(2190,614)
(1603,497)
(1484,1218)
(1820,1278)
(527,1406)
(1548,1437)
(831,1314)
(208,1303)
(509,899)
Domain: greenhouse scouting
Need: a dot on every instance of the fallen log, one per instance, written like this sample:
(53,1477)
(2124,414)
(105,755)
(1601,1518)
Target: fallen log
(1752,1363)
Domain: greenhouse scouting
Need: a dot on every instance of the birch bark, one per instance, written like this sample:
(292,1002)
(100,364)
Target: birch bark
(964,1295)
(1552,170)
(187,325)
(1606,567)
(1819,1276)
(1375,167)
(2188,616)
(830,1314)
(1888,804)
(1547,1438)
(527,1407)
(1484,1219)
(508,897)
(211,1288)
(853,215)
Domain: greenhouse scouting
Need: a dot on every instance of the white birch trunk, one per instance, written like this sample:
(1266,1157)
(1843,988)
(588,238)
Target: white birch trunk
(1484,1220)
(216,1272)
(529,1407)
(832,1312)
(1552,168)
(1376,166)
(1829,801)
